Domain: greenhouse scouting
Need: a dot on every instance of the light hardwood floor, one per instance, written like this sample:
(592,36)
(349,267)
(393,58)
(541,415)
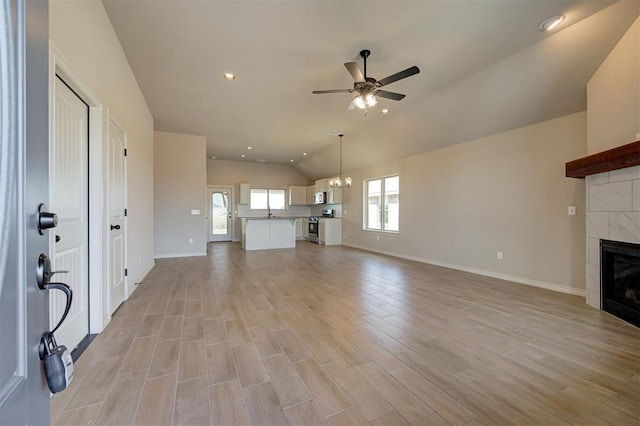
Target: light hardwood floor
(332,335)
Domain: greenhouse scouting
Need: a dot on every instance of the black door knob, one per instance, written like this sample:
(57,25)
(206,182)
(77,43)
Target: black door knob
(115,227)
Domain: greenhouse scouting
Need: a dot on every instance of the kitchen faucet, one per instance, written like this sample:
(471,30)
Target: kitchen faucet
(269,214)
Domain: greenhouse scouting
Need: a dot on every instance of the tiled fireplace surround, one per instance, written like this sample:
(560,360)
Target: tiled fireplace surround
(613,213)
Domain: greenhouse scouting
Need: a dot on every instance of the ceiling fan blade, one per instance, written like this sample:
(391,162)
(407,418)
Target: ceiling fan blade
(389,95)
(398,76)
(355,71)
(351,105)
(319,92)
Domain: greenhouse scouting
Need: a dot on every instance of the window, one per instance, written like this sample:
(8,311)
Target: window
(267,199)
(382,204)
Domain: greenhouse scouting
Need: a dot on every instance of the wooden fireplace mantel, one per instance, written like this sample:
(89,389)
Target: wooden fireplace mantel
(617,158)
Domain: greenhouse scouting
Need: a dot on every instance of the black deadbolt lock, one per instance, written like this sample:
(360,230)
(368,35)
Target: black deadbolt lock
(46,220)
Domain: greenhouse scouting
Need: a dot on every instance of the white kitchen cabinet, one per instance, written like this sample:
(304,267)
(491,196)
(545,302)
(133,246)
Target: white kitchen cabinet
(297,195)
(322,185)
(322,226)
(311,190)
(330,231)
(261,233)
(305,228)
(334,196)
(299,229)
(245,193)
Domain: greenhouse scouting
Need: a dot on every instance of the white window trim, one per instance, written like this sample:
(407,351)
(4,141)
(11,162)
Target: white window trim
(365,209)
(268,190)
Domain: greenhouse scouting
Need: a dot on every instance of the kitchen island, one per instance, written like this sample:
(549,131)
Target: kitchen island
(262,233)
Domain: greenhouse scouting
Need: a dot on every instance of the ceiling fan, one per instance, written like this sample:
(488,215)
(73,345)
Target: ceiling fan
(367,88)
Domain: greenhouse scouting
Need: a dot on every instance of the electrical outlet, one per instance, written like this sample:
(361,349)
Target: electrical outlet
(499,255)
(377,237)
(190,240)
(571,210)
(139,258)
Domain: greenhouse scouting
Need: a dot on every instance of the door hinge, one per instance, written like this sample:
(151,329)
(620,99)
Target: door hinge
(125,212)
(126,272)
(125,152)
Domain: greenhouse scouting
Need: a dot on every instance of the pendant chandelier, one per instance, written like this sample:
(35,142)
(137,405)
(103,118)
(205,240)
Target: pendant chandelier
(339,181)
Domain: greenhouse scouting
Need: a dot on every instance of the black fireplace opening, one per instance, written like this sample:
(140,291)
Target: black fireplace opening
(620,280)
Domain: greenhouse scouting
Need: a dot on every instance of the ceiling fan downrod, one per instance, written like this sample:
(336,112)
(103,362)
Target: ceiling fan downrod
(365,54)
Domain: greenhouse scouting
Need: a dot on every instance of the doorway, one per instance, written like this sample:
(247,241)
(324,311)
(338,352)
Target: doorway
(116,193)
(69,198)
(220,202)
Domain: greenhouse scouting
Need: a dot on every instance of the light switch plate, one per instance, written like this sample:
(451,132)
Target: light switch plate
(195,212)
(571,210)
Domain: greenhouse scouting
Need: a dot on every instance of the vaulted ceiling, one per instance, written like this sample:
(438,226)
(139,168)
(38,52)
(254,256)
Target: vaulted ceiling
(485,68)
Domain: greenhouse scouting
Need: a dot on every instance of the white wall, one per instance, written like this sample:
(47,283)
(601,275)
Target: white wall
(613,108)
(271,176)
(506,192)
(82,36)
(180,186)
(224,172)
(613,96)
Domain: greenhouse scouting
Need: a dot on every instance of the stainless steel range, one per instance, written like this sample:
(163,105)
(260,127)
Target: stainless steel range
(313,229)
(313,225)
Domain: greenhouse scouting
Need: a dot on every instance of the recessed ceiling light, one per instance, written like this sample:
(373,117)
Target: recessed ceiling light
(304,153)
(550,23)
(248,147)
(229,76)
(213,157)
(291,161)
(243,156)
(384,111)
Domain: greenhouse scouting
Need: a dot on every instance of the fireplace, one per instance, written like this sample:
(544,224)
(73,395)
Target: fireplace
(620,279)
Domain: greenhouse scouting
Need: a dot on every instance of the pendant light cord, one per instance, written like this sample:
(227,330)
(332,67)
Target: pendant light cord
(340,176)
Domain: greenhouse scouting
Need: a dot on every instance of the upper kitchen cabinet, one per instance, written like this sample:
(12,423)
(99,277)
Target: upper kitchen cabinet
(322,185)
(245,193)
(334,196)
(311,190)
(297,195)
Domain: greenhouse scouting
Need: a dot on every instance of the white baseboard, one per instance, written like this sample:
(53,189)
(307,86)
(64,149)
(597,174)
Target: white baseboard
(534,283)
(132,288)
(146,272)
(172,255)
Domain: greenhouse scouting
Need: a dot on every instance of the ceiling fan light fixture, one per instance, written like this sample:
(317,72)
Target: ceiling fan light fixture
(550,23)
(370,99)
(360,102)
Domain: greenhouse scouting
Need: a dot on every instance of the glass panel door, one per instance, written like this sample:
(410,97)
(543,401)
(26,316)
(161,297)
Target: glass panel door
(220,214)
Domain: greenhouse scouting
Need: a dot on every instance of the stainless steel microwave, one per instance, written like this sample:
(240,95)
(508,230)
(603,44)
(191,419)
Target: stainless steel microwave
(320,198)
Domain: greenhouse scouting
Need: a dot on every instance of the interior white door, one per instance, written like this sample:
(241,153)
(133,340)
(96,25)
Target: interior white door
(69,177)
(117,171)
(220,214)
